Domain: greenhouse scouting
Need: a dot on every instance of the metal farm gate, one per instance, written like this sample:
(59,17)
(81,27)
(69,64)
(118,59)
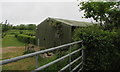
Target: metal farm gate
(55,61)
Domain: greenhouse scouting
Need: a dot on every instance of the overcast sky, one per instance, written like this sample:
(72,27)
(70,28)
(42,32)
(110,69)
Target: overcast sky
(35,12)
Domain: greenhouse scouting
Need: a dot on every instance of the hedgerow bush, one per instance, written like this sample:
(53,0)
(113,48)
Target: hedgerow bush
(102,51)
(32,40)
(26,38)
(3,35)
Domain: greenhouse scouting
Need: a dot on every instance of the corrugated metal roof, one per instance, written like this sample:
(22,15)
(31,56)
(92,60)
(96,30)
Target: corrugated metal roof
(73,22)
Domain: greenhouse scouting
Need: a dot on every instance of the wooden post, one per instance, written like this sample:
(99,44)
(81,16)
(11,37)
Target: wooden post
(38,42)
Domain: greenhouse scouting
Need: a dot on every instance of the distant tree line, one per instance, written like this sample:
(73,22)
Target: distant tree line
(6,26)
(25,27)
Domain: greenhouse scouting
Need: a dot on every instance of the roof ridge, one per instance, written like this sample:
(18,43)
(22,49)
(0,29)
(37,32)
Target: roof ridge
(72,22)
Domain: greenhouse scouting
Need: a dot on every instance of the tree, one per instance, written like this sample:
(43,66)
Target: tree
(25,27)
(106,13)
(6,27)
(22,27)
(31,27)
(113,19)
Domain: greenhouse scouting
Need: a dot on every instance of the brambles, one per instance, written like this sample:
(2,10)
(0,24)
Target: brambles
(102,50)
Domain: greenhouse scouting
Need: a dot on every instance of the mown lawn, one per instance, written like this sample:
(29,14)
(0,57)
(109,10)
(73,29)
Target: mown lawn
(10,40)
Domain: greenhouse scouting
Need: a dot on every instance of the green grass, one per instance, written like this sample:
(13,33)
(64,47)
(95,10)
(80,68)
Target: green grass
(28,63)
(10,40)
(25,64)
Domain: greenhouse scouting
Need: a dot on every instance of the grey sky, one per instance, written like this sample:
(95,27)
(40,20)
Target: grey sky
(35,12)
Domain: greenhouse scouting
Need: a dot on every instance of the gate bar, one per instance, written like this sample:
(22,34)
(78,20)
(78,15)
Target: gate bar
(45,66)
(35,53)
(70,63)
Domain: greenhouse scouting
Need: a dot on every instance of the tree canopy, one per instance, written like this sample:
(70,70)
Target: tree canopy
(106,13)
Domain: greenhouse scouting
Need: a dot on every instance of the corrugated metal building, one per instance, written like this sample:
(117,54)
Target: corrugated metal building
(53,31)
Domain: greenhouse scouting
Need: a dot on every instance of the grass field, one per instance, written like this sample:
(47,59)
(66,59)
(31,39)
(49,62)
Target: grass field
(26,64)
(10,40)
(11,47)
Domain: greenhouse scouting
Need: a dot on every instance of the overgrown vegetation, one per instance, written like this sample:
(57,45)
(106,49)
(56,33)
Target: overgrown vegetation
(102,41)
(102,50)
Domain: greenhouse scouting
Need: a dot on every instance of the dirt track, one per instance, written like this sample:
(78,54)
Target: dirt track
(13,49)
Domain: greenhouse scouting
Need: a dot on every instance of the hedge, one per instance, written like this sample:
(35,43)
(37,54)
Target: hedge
(26,38)
(102,51)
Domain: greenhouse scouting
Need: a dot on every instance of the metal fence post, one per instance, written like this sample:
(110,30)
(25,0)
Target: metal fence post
(83,57)
(37,56)
(36,61)
(70,60)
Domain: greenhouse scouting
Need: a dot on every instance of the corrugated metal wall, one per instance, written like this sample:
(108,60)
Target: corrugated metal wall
(47,35)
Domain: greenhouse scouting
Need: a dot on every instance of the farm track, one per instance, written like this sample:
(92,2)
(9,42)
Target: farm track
(13,49)
(10,52)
